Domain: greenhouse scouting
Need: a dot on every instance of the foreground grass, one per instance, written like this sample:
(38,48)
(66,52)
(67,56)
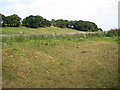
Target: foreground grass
(60,62)
(24,30)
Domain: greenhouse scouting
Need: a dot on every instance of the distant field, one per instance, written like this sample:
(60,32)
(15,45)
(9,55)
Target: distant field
(24,30)
(60,61)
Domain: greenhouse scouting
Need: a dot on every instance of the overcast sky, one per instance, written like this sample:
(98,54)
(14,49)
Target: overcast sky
(103,12)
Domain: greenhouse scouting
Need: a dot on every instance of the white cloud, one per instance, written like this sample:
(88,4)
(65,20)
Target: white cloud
(102,12)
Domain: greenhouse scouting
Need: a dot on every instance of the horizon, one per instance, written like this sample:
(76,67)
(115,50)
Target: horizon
(103,13)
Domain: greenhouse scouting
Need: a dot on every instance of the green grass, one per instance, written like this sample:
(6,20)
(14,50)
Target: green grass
(76,61)
(24,30)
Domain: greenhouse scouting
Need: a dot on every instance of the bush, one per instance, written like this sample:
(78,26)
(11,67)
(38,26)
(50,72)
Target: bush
(113,32)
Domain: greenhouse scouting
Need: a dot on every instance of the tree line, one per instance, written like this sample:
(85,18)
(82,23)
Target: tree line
(38,21)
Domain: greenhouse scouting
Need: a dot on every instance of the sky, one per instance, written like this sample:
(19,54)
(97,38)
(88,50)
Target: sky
(102,12)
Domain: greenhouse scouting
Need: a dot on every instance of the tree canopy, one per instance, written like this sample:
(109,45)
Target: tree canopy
(2,19)
(38,21)
(13,20)
(78,25)
(60,23)
(35,22)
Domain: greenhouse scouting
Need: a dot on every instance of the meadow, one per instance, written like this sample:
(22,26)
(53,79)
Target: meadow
(24,30)
(64,61)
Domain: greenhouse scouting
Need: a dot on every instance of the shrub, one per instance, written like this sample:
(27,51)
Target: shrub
(113,32)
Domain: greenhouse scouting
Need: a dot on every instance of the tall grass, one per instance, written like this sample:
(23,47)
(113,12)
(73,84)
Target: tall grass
(21,38)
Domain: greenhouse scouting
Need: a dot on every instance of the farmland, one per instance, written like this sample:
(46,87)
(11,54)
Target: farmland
(46,61)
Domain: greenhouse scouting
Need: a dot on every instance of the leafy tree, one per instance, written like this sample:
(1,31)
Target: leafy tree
(13,20)
(53,23)
(35,22)
(2,20)
(61,23)
(83,25)
(38,21)
(46,23)
(31,21)
(100,29)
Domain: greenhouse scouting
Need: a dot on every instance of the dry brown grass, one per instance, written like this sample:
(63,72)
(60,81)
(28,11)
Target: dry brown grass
(92,63)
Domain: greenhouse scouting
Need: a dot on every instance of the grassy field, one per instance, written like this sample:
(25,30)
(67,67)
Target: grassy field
(60,61)
(24,30)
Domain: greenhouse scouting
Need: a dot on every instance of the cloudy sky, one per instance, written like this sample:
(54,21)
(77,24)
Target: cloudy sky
(103,12)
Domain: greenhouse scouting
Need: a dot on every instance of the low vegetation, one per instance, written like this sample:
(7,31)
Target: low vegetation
(24,30)
(64,61)
(113,32)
